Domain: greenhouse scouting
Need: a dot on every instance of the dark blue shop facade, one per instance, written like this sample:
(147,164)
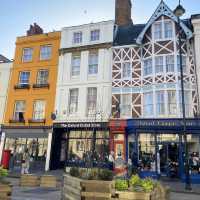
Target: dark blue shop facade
(156,146)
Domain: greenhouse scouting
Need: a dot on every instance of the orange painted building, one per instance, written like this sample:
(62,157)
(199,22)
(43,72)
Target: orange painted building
(31,94)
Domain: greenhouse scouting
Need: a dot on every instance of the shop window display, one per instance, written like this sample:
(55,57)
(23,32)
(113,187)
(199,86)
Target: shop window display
(85,146)
(147,150)
(37,148)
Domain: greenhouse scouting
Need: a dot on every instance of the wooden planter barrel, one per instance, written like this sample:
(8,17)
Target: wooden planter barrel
(71,188)
(78,189)
(48,181)
(5,191)
(159,193)
(29,180)
(97,189)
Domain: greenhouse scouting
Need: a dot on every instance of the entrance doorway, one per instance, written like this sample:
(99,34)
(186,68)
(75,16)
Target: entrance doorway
(169,159)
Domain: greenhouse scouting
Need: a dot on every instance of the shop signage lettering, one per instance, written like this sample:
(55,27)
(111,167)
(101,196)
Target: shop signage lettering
(81,125)
(165,123)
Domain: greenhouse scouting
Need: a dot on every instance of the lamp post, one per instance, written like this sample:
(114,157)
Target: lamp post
(179,11)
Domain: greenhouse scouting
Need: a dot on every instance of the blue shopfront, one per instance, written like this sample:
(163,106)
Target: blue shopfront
(156,147)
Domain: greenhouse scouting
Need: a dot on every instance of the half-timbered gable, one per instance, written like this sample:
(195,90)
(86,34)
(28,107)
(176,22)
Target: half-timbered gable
(146,68)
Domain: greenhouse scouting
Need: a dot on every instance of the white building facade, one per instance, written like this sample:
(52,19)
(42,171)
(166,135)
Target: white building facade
(83,97)
(5,71)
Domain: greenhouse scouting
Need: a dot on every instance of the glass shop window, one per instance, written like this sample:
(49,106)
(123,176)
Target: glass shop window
(82,145)
(147,152)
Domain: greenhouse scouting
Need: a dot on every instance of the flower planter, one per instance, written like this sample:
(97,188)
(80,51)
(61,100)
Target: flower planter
(29,180)
(159,193)
(77,189)
(48,181)
(71,188)
(97,189)
(5,191)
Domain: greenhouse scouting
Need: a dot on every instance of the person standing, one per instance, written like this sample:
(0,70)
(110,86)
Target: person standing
(25,162)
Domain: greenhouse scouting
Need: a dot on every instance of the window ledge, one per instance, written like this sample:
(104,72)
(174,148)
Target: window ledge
(37,121)
(16,121)
(22,86)
(41,85)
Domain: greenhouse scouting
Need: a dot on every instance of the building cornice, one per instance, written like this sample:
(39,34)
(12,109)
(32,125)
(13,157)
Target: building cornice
(85,48)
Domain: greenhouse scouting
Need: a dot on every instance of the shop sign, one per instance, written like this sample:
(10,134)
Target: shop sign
(164,123)
(81,125)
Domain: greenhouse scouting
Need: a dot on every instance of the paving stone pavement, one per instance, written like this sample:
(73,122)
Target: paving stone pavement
(26,193)
(183,196)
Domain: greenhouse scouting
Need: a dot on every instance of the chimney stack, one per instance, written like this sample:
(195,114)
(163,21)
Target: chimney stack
(123,12)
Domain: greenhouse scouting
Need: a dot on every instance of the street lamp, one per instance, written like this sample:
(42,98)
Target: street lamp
(179,11)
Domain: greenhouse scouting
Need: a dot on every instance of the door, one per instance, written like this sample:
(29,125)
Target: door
(169,159)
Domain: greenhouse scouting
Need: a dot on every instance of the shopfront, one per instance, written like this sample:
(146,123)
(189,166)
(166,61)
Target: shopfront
(34,139)
(80,144)
(156,147)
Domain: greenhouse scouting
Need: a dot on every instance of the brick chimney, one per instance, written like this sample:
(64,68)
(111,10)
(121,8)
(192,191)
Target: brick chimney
(34,30)
(123,12)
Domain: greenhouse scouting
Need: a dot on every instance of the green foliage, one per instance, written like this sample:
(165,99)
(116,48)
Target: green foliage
(106,175)
(148,185)
(3,172)
(135,181)
(74,171)
(121,185)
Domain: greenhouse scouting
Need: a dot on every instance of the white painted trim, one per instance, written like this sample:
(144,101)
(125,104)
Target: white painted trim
(48,156)
(3,139)
(161,10)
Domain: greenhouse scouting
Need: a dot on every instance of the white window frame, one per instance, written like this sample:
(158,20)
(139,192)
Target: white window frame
(24,81)
(126,70)
(148,109)
(73,101)
(126,105)
(20,108)
(95,35)
(159,64)
(77,37)
(27,54)
(172,104)
(148,69)
(45,52)
(42,80)
(93,60)
(75,68)
(39,107)
(167,31)
(160,103)
(157,34)
(171,64)
(91,109)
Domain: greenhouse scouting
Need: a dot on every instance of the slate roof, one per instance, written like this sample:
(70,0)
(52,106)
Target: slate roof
(127,35)
(3,59)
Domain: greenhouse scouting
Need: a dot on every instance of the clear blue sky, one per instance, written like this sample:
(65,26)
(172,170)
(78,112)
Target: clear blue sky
(17,15)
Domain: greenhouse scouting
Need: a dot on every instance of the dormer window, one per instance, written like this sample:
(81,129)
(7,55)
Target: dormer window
(168,29)
(158,31)
(77,37)
(163,30)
